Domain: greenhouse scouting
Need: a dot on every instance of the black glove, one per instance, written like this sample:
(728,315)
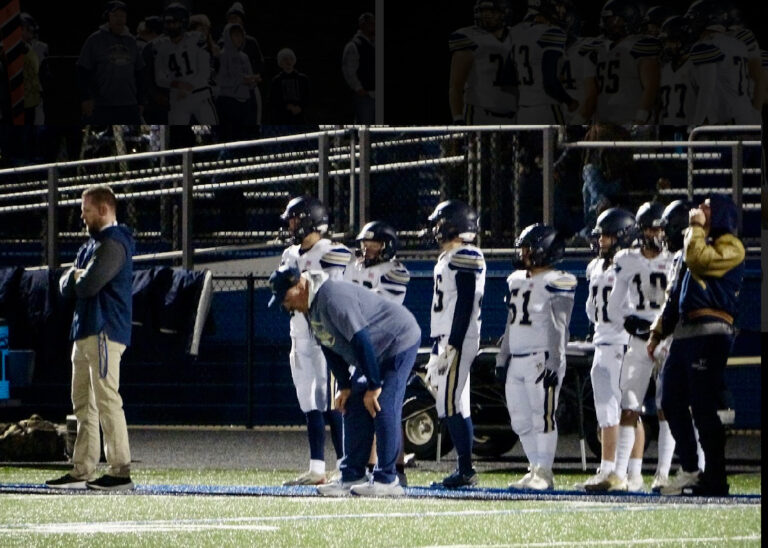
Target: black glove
(501,371)
(549,378)
(635,325)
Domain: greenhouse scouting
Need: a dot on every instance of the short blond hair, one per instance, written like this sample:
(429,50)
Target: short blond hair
(101,194)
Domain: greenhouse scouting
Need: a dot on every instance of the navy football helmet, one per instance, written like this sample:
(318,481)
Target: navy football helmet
(312,216)
(453,219)
(675,221)
(654,17)
(556,11)
(630,14)
(675,37)
(649,216)
(545,244)
(618,223)
(175,19)
(379,231)
(494,21)
(704,13)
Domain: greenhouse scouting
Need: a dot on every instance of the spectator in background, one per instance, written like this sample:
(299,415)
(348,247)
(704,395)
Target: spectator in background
(31,72)
(358,64)
(110,71)
(603,173)
(289,93)
(201,24)
(148,29)
(29,34)
(156,108)
(236,15)
(235,80)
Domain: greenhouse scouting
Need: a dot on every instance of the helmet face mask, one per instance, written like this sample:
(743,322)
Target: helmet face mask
(615,229)
(538,246)
(675,221)
(304,215)
(378,243)
(453,219)
(489,14)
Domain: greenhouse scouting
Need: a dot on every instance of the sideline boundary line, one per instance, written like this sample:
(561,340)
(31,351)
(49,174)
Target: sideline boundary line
(477,493)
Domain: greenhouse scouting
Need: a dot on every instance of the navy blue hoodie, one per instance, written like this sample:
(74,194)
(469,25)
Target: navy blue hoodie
(104,307)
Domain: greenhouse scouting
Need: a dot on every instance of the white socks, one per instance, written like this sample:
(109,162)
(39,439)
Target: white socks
(624,449)
(546,444)
(666,449)
(317,466)
(530,447)
(635,468)
(607,466)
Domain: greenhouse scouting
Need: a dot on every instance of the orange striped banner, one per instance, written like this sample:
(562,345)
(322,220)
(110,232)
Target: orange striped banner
(13,53)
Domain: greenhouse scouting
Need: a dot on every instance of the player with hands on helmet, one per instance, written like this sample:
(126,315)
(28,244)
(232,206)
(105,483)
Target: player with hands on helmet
(638,293)
(459,282)
(306,220)
(531,359)
(614,230)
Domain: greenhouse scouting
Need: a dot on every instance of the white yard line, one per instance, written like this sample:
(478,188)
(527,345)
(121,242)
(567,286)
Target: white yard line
(252,523)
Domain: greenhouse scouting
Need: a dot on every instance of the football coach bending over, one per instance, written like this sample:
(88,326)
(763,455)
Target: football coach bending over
(380,338)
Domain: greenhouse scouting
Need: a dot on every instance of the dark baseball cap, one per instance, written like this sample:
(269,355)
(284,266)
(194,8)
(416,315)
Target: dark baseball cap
(281,281)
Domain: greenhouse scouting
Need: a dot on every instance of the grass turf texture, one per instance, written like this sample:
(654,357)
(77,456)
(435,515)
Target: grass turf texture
(113,520)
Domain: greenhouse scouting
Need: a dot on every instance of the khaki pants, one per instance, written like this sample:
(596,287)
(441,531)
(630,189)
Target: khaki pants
(96,400)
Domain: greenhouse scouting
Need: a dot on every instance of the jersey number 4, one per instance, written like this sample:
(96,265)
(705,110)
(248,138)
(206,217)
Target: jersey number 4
(174,67)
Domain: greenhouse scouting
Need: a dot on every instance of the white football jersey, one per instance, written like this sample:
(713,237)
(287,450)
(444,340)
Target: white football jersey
(185,61)
(389,278)
(531,42)
(607,330)
(577,66)
(464,258)
(640,285)
(530,321)
(677,91)
(618,77)
(330,257)
(720,69)
(489,72)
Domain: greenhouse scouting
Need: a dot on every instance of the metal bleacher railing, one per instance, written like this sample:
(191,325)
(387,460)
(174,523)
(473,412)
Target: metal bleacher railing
(188,202)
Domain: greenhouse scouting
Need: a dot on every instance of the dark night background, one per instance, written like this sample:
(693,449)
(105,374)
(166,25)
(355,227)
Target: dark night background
(315,32)
(417,60)
(415,44)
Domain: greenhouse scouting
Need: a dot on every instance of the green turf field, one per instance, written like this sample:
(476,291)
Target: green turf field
(118,520)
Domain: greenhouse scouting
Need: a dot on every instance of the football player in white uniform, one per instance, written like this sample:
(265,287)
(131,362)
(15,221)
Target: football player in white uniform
(578,73)
(481,81)
(614,229)
(637,296)
(376,267)
(720,68)
(531,359)
(757,78)
(183,65)
(539,46)
(459,278)
(677,90)
(627,67)
(307,221)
